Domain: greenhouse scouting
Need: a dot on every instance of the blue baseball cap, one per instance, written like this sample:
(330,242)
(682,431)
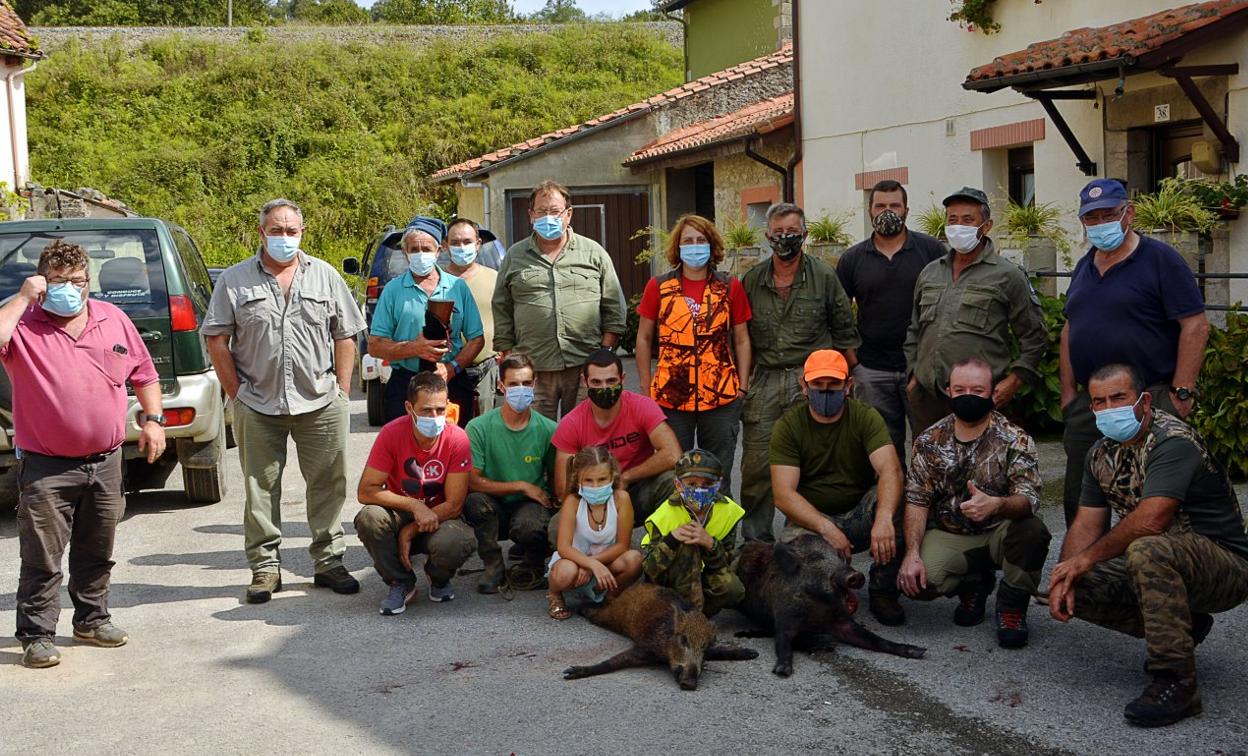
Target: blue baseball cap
(1100,194)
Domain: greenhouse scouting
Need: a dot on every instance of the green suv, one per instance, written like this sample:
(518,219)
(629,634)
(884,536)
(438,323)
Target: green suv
(153,271)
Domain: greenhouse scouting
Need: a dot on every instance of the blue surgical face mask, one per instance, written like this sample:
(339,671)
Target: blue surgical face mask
(63,299)
(1107,236)
(549,227)
(420,263)
(519,397)
(695,255)
(1119,423)
(430,427)
(597,494)
(465,255)
(282,248)
(827,403)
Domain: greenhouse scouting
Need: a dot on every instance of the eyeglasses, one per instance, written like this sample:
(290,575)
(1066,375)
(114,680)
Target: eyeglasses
(79,281)
(550,210)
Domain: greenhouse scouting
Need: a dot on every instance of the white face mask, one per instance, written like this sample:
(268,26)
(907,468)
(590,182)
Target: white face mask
(964,239)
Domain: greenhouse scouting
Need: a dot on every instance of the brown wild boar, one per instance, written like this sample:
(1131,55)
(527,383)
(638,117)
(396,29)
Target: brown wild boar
(802,592)
(664,628)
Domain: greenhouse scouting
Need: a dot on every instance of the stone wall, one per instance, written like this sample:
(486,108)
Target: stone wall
(736,173)
(53,37)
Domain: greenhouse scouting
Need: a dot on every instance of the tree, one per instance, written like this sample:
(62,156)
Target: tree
(328,12)
(559,12)
(144,12)
(444,11)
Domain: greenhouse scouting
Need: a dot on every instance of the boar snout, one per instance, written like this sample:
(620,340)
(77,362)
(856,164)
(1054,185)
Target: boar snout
(686,676)
(850,580)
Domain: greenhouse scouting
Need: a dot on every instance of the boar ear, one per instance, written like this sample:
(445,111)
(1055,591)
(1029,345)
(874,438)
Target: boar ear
(787,559)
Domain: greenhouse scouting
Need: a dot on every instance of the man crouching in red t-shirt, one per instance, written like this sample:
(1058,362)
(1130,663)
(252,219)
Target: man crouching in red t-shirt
(413,489)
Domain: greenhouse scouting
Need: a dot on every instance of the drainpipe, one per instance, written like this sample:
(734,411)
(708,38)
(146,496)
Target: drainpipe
(486,187)
(784,172)
(790,173)
(13,146)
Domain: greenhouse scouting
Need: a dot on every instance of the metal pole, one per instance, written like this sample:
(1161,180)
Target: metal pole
(229,13)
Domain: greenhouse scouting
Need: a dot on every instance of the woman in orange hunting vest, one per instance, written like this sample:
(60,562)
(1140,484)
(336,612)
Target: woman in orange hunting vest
(695,318)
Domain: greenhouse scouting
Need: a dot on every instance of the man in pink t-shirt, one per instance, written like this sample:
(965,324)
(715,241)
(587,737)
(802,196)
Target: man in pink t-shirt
(69,360)
(631,426)
(413,490)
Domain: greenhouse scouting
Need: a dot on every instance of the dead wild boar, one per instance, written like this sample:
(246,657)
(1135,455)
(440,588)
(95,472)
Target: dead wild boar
(664,628)
(802,592)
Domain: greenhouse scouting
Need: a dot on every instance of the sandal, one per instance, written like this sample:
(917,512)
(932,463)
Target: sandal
(556,608)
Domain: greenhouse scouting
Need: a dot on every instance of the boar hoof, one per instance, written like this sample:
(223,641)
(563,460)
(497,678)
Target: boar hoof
(783,669)
(913,652)
(575,673)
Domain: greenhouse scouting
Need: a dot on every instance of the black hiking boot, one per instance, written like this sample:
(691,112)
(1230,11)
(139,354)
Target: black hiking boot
(1170,698)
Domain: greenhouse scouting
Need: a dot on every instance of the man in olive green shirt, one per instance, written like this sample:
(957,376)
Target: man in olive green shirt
(837,475)
(970,303)
(557,299)
(799,307)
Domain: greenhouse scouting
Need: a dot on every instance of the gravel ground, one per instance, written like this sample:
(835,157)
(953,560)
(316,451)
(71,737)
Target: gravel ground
(316,672)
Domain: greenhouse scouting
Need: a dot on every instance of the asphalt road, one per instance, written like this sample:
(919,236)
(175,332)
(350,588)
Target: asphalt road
(316,672)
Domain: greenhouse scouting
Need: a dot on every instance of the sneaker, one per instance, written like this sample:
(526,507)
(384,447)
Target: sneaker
(107,635)
(40,653)
(337,579)
(395,602)
(1167,700)
(440,593)
(263,586)
(1012,628)
(973,601)
(886,609)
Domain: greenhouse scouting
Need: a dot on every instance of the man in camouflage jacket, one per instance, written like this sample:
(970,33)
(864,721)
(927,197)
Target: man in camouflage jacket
(1177,554)
(970,509)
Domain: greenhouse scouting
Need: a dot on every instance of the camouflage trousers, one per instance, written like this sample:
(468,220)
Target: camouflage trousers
(856,524)
(1017,547)
(710,590)
(1151,591)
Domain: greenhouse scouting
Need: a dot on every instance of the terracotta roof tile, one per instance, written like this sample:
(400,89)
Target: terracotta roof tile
(756,118)
(14,37)
(783,56)
(1128,38)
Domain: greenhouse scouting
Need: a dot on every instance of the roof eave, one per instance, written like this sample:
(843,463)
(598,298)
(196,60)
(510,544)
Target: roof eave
(1053,77)
(769,127)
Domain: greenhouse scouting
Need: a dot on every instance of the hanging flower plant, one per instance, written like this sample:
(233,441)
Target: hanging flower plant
(975,14)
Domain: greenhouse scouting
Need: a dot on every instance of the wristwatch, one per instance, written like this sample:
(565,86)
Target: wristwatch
(1184,393)
(458,367)
(158,419)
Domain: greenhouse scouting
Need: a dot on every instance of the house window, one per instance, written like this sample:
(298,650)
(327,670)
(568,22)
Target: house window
(1022,165)
(756,214)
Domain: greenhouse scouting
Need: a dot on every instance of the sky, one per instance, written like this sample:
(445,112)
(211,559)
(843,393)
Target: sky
(614,7)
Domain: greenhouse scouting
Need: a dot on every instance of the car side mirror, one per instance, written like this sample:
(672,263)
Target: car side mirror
(350,266)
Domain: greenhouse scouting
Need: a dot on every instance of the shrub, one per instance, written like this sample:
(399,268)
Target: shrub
(932,221)
(738,234)
(1221,413)
(829,229)
(1038,407)
(1172,209)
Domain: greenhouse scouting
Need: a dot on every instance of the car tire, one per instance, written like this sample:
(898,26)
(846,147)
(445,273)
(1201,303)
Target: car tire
(376,392)
(207,485)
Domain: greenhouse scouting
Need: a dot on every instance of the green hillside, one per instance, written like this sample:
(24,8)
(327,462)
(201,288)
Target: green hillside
(203,133)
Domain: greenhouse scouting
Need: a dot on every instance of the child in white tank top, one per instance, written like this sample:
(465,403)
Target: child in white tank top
(595,529)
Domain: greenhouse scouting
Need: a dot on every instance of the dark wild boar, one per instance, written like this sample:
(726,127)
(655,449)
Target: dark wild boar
(802,592)
(664,628)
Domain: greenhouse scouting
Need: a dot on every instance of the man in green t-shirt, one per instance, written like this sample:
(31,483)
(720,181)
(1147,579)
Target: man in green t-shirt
(835,472)
(512,467)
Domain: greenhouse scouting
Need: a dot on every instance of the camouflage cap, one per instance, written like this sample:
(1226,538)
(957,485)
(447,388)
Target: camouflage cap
(700,463)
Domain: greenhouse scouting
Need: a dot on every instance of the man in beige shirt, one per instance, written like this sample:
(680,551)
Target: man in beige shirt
(463,242)
(280,331)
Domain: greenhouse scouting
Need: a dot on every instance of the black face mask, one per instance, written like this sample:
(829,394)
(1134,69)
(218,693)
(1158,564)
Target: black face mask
(827,403)
(786,246)
(970,408)
(889,223)
(606,397)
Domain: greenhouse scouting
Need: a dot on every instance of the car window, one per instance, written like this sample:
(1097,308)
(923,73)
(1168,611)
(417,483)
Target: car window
(196,271)
(124,266)
(389,263)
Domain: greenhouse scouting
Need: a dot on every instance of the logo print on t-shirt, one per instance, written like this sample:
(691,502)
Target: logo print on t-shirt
(421,483)
(434,470)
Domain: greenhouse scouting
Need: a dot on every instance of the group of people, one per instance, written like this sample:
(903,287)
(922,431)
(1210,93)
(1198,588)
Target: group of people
(819,396)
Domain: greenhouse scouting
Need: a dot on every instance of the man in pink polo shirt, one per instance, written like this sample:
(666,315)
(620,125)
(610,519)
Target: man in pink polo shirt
(69,360)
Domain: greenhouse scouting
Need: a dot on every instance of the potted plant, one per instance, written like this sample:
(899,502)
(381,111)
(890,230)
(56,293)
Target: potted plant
(932,221)
(1224,198)
(1033,238)
(828,236)
(742,246)
(1177,218)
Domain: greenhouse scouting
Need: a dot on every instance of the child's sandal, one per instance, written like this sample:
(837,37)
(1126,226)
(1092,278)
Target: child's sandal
(556,608)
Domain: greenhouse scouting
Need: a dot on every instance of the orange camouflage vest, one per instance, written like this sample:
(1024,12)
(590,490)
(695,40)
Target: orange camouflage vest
(696,369)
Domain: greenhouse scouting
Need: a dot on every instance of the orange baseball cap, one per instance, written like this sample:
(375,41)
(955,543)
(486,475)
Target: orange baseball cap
(826,363)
